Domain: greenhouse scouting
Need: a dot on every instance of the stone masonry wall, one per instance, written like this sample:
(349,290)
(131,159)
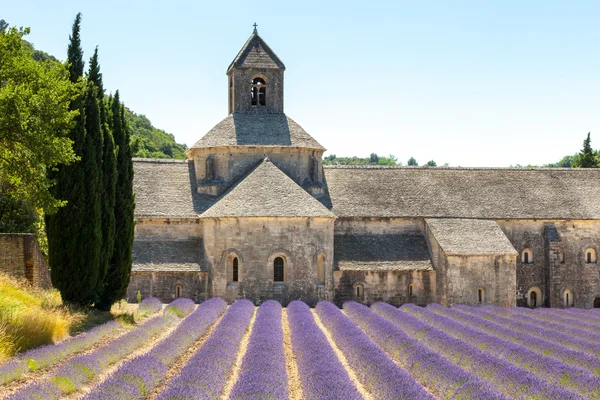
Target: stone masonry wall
(168,228)
(194,285)
(242,78)
(256,242)
(20,256)
(387,286)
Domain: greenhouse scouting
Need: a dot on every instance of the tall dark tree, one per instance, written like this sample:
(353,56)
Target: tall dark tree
(412,162)
(109,169)
(71,273)
(119,270)
(587,158)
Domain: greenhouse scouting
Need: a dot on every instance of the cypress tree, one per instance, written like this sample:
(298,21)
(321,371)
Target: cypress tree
(109,170)
(119,270)
(70,272)
(587,158)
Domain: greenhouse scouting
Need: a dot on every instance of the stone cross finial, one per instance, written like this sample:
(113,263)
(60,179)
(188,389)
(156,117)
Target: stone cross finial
(255,31)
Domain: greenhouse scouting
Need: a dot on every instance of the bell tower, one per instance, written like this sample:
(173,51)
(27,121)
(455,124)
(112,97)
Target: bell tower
(255,78)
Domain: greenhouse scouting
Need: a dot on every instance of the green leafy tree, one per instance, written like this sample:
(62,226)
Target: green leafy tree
(3,26)
(109,169)
(35,121)
(119,270)
(587,158)
(373,158)
(412,162)
(431,163)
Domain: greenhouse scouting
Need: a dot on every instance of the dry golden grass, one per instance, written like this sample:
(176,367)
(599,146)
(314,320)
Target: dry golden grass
(32,317)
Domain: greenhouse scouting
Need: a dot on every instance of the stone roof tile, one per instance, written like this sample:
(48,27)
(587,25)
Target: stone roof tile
(267,192)
(388,252)
(257,129)
(154,255)
(256,53)
(485,193)
(470,237)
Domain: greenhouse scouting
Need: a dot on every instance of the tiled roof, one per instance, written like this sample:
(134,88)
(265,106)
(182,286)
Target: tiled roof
(257,129)
(486,193)
(470,236)
(154,255)
(167,189)
(391,252)
(267,192)
(256,54)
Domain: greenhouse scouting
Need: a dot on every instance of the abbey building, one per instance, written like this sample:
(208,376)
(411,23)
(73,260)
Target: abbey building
(252,213)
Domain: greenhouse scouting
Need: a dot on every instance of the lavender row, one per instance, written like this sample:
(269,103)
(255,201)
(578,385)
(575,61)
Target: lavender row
(380,376)
(82,369)
(553,344)
(205,374)
(548,368)
(45,356)
(443,378)
(148,306)
(513,381)
(322,375)
(137,377)
(565,328)
(182,307)
(553,314)
(263,373)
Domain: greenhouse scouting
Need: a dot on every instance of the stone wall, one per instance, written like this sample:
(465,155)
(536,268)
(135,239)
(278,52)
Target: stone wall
(379,226)
(168,228)
(548,271)
(232,163)
(193,285)
(387,286)
(20,256)
(239,88)
(256,242)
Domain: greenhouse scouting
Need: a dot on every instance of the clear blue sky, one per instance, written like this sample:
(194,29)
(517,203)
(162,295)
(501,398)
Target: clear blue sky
(471,83)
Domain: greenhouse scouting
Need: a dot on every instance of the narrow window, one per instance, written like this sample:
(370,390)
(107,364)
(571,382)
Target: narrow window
(533,299)
(567,298)
(561,257)
(278,269)
(360,291)
(321,269)
(235,269)
(210,168)
(178,290)
(526,258)
(258,92)
(410,290)
(590,256)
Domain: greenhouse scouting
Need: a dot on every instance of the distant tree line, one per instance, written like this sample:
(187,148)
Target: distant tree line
(374,159)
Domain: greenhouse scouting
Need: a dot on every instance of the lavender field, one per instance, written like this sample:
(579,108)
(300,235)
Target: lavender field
(216,351)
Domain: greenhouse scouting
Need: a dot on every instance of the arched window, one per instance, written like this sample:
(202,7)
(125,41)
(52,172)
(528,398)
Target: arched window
(534,297)
(568,298)
(178,290)
(527,256)
(321,269)
(410,290)
(235,269)
(359,291)
(590,256)
(278,269)
(258,92)
(481,295)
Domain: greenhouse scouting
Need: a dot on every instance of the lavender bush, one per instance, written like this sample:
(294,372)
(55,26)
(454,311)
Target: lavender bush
(148,306)
(45,356)
(182,307)
(205,374)
(322,375)
(147,371)
(546,347)
(548,368)
(445,379)
(513,381)
(263,374)
(380,376)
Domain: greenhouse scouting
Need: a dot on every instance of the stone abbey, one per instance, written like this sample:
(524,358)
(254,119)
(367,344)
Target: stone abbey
(252,213)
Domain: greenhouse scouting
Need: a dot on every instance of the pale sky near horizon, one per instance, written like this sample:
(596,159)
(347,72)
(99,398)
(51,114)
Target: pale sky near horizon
(468,83)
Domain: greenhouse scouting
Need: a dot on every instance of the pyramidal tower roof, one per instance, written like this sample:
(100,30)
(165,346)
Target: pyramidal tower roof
(267,192)
(256,54)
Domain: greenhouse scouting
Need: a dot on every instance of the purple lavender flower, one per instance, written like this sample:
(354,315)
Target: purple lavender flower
(263,374)
(205,374)
(148,370)
(511,380)
(375,370)
(149,306)
(445,379)
(548,368)
(181,307)
(322,375)
(37,391)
